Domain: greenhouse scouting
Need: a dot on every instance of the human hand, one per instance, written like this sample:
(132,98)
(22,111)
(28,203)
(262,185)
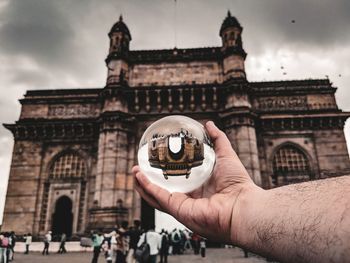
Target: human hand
(214,209)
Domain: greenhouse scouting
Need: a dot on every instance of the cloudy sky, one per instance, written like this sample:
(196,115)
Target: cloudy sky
(47,44)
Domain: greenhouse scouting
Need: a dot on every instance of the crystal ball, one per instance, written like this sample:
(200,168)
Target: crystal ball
(176,153)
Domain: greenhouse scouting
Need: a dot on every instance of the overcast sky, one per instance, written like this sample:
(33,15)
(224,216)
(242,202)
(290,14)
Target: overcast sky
(47,44)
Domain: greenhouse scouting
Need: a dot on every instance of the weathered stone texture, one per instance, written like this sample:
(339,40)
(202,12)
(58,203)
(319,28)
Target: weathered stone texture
(321,101)
(34,111)
(166,74)
(233,67)
(332,152)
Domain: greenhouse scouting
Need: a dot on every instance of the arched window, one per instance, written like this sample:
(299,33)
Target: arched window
(290,165)
(69,165)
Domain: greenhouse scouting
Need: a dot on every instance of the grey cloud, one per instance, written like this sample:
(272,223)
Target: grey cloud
(35,27)
(318,23)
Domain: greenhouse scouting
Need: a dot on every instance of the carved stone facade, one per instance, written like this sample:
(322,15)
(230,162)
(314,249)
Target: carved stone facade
(74,149)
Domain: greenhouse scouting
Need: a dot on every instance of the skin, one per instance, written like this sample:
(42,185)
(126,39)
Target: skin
(308,222)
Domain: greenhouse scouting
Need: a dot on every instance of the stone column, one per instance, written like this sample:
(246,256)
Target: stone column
(240,131)
(114,184)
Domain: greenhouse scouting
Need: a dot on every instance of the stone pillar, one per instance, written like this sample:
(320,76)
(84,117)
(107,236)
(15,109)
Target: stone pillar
(114,184)
(240,130)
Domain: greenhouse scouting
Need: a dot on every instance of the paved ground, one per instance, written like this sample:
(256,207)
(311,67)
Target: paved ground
(232,255)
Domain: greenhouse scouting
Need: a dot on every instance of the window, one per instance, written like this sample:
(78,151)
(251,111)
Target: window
(290,165)
(69,165)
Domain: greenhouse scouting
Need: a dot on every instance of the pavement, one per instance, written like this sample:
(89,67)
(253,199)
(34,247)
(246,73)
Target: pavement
(218,255)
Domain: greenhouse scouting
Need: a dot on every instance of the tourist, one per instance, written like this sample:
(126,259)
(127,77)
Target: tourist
(305,222)
(12,244)
(202,246)
(134,235)
(107,247)
(4,243)
(47,240)
(187,236)
(176,241)
(245,253)
(164,246)
(195,241)
(96,244)
(122,243)
(153,240)
(62,248)
(113,244)
(28,242)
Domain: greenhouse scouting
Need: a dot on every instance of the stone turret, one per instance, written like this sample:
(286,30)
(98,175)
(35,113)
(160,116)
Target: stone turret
(232,48)
(116,61)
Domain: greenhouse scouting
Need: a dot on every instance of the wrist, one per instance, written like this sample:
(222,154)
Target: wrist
(246,209)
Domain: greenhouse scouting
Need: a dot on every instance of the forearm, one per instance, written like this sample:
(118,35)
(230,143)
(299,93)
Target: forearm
(307,222)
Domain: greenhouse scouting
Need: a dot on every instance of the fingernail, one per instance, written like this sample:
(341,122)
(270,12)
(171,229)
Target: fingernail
(141,178)
(210,123)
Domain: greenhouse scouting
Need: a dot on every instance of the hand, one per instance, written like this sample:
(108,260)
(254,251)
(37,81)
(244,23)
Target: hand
(214,209)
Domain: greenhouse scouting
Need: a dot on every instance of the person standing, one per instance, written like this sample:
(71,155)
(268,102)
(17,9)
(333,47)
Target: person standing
(134,235)
(47,240)
(113,244)
(28,242)
(203,247)
(12,243)
(195,241)
(4,242)
(164,247)
(62,248)
(187,236)
(122,243)
(176,241)
(96,243)
(154,241)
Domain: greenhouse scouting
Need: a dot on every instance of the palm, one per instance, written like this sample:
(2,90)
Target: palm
(207,210)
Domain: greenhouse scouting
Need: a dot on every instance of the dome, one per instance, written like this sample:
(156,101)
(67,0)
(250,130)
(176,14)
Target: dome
(120,26)
(230,21)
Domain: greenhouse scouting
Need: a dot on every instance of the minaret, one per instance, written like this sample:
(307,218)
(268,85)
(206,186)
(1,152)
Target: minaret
(234,54)
(116,60)
(114,193)
(238,119)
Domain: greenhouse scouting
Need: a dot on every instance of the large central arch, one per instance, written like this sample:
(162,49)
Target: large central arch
(62,218)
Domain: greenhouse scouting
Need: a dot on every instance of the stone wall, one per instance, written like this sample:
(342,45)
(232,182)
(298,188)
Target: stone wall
(24,179)
(60,110)
(165,74)
(332,153)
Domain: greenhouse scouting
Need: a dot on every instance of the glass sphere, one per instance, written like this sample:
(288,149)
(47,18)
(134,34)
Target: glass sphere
(176,153)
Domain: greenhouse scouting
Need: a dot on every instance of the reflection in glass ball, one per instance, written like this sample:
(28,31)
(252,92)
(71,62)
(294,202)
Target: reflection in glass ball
(176,153)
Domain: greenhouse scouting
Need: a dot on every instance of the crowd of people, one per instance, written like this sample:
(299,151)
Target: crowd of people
(7,246)
(119,246)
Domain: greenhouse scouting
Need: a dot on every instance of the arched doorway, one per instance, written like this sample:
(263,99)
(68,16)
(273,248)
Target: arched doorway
(290,165)
(62,218)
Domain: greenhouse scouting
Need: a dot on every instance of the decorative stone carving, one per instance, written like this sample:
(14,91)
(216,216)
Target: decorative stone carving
(73,110)
(282,103)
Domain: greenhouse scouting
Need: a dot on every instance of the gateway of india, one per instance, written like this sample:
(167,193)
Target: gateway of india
(74,148)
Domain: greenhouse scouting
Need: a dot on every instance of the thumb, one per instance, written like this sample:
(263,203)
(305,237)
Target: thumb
(222,145)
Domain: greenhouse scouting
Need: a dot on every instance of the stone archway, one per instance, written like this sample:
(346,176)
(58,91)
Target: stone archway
(62,218)
(290,165)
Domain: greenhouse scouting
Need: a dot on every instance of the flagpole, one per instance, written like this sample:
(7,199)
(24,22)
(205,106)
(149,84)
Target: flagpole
(175,22)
